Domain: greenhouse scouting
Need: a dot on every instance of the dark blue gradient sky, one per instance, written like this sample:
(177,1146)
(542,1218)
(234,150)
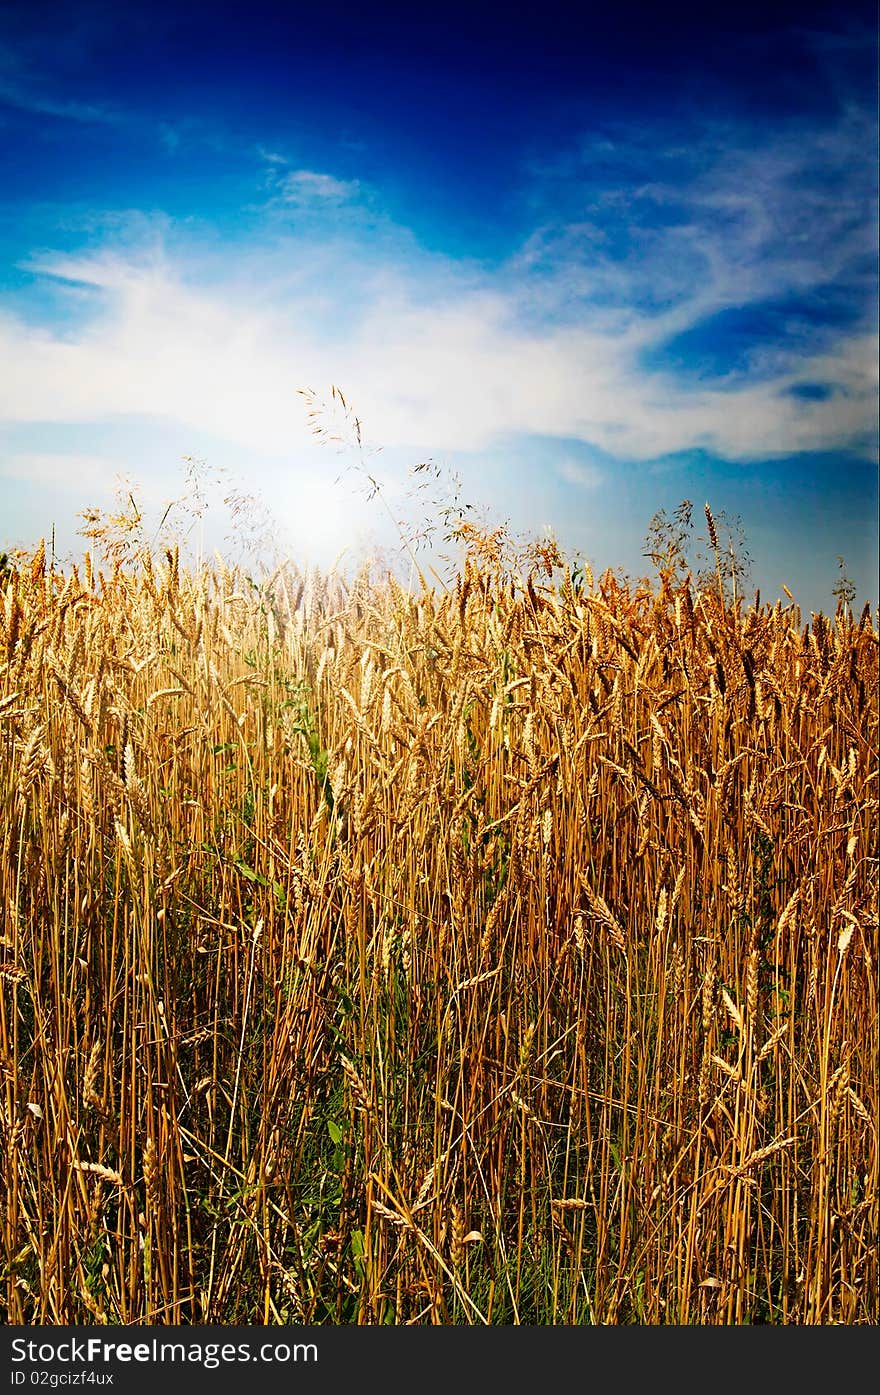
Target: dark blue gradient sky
(593,263)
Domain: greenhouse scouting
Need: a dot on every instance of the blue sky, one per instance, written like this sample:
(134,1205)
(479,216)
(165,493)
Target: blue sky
(593,265)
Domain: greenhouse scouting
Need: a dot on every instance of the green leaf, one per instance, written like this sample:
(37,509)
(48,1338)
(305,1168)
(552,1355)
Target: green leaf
(249,872)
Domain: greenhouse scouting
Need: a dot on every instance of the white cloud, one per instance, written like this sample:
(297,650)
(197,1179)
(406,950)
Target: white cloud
(303,187)
(430,365)
(677,230)
(25,90)
(579,473)
(438,356)
(13,94)
(71,472)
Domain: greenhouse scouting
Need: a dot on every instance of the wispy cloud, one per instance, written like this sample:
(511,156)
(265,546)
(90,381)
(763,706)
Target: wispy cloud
(271,157)
(304,187)
(579,473)
(431,363)
(315,192)
(26,90)
(582,336)
(64,472)
(675,228)
(28,98)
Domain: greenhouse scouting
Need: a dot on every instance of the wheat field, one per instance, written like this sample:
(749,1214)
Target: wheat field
(504,953)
